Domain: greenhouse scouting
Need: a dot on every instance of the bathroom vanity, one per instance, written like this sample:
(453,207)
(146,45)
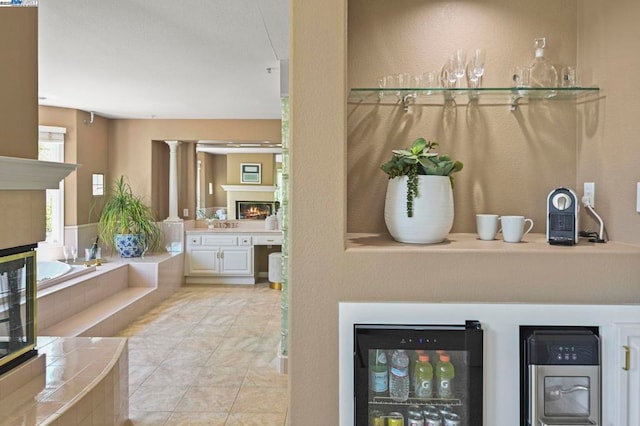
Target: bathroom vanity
(225,256)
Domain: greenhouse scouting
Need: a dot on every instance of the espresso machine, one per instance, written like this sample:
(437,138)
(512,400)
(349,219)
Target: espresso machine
(560,376)
(562,217)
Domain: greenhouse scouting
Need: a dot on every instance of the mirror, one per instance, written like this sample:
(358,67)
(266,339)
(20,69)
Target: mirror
(218,178)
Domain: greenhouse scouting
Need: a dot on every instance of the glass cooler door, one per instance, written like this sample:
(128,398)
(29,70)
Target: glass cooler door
(427,375)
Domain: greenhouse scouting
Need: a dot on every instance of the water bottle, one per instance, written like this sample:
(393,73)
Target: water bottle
(399,376)
(444,376)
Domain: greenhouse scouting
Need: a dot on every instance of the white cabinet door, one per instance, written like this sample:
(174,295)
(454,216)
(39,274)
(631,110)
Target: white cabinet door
(236,260)
(629,374)
(204,261)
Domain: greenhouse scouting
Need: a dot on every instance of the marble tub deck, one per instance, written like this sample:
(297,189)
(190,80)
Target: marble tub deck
(85,382)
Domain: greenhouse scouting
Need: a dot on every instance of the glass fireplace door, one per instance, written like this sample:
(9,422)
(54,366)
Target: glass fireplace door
(418,374)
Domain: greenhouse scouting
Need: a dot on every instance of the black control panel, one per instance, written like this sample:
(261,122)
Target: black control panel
(563,348)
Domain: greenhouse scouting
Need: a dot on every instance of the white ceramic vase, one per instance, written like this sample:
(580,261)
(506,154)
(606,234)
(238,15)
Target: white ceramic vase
(432,210)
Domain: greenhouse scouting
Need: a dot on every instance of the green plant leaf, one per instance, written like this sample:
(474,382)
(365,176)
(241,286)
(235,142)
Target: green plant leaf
(418,146)
(125,213)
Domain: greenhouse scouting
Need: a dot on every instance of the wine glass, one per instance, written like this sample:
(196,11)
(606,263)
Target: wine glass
(74,253)
(459,62)
(477,62)
(448,74)
(65,253)
(473,81)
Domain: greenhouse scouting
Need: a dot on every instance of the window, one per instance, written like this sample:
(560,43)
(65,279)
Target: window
(97,184)
(51,148)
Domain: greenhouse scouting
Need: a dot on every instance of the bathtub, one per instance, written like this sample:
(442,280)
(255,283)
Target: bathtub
(49,270)
(52,272)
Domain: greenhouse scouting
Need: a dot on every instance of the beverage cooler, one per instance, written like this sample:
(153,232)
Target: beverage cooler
(418,375)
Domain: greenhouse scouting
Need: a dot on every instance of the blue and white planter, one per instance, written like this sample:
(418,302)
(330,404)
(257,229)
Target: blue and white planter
(130,245)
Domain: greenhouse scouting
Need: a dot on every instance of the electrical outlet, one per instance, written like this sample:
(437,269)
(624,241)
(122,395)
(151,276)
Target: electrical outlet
(185,212)
(590,193)
(638,198)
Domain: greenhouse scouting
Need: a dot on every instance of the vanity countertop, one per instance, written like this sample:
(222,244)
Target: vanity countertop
(234,231)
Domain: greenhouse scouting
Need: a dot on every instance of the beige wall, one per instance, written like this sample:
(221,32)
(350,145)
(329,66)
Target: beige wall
(235,160)
(19,82)
(85,144)
(323,272)
(133,148)
(214,172)
(21,218)
(131,152)
(608,148)
(218,165)
(22,212)
(508,168)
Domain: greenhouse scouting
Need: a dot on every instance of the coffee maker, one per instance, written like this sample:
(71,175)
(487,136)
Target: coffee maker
(562,217)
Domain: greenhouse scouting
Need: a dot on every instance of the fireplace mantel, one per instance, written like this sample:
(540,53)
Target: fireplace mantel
(27,174)
(248,188)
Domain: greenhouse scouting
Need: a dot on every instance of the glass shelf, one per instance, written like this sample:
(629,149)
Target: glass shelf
(512,96)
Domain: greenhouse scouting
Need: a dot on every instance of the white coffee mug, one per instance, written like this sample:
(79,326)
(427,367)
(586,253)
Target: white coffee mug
(487,225)
(513,228)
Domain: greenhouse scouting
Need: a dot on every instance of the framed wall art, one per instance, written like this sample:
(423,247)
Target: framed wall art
(251,173)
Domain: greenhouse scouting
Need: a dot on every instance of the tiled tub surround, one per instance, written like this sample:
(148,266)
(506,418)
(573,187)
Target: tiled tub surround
(85,383)
(103,302)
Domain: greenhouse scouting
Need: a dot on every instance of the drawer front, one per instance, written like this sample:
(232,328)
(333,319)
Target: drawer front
(267,240)
(244,240)
(194,240)
(219,240)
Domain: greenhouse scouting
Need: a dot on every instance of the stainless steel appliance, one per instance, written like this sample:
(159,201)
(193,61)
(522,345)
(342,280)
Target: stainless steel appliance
(452,400)
(562,217)
(560,369)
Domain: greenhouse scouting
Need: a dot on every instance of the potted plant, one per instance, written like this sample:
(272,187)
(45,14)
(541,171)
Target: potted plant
(419,200)
(126,223)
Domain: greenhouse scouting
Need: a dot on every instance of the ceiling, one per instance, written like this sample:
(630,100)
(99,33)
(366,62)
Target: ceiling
(163,58)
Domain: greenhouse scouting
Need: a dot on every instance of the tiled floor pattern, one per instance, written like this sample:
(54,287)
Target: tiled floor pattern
(207,356)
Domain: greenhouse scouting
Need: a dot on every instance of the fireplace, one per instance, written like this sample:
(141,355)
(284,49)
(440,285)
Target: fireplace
(255,210)
(17,306)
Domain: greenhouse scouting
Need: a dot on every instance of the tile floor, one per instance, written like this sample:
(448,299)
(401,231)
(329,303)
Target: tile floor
(207,356)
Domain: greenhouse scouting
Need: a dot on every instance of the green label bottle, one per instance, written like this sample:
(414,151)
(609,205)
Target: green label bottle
(444,376)
(423,377)
(378,372)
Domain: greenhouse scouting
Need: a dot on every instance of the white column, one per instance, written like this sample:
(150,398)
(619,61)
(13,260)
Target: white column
(173,182)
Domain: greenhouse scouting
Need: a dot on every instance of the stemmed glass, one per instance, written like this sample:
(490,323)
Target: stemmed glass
(74,253)
(448,76)
(477,63)
(65,252)
(459,62)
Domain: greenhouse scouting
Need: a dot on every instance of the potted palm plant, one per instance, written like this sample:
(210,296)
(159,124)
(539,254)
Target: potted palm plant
(126,223)
(419,201)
